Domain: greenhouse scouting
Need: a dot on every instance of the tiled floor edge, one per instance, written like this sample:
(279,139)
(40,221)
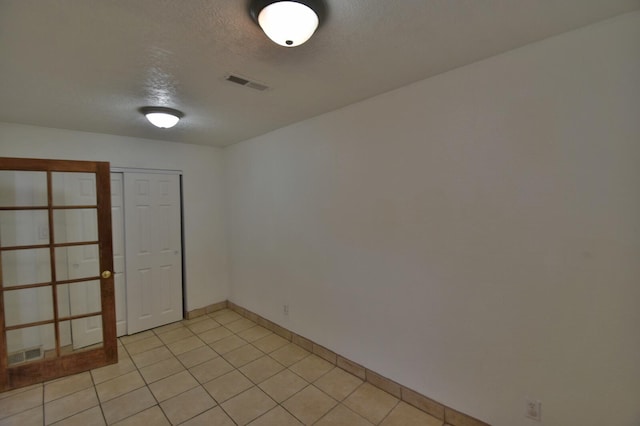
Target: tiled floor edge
(449,416)
(205,310)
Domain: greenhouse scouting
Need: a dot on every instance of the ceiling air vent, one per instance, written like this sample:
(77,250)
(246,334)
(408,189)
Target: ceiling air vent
(245,82)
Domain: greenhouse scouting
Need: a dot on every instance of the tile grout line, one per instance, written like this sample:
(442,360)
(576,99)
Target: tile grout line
(257,385)
(288,368)
(58,379)
(146,385)
(308,383)
(157,403)
(439,413)
(346,397)
(198,381)
(95,389)
(236,369)
(390,411)
(254,384)
(219,404)
(186,369)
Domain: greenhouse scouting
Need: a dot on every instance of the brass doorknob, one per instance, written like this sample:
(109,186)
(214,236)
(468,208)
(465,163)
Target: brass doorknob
(106,274)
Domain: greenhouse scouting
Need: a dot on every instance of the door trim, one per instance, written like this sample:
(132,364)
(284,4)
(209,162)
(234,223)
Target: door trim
(148,171)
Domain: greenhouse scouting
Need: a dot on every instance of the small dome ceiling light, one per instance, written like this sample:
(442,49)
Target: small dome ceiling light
(288,23)
(162,117)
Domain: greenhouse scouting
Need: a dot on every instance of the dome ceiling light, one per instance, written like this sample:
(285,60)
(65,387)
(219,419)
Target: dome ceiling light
(162,117)
(288,23)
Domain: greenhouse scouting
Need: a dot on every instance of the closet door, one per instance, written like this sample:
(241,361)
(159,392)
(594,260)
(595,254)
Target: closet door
(117,224)
(153,247)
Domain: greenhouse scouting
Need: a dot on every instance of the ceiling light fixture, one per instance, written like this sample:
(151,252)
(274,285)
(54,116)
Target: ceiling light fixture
(288,23)
(162,117)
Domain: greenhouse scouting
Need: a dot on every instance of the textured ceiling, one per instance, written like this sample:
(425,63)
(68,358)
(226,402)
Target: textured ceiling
(90,64)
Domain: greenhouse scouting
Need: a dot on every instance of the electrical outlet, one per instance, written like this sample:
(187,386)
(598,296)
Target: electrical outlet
(285,309)
(533,409)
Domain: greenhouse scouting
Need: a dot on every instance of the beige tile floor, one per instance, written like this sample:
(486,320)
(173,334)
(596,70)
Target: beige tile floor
(220,369)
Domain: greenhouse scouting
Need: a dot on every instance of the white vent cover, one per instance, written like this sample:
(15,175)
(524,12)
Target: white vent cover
(24,356)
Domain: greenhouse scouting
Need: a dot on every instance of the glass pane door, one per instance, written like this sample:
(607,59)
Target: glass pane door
(56,289)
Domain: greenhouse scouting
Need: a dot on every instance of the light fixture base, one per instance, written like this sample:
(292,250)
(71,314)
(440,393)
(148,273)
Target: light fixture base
(318,6)
(162,117)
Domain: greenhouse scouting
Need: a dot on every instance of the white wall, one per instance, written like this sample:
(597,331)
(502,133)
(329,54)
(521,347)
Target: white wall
(474,236)
(206,264)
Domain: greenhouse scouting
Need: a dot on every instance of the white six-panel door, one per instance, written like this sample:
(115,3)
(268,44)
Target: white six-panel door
(153,247)
(117,226)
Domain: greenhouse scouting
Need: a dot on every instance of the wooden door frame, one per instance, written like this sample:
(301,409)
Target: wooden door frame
(62,365)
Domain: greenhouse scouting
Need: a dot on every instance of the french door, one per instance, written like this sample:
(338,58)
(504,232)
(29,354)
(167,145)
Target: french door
(56,263)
